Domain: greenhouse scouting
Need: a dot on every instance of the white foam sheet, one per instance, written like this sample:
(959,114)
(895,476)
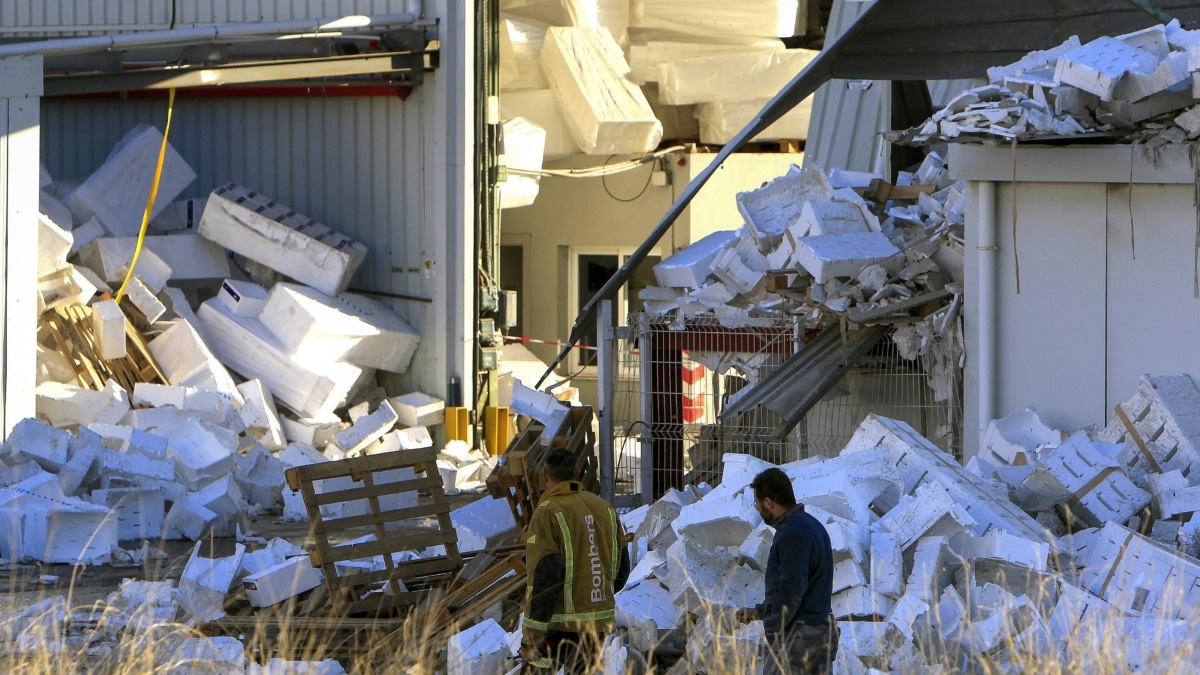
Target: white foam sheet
(721,122)
(524,149)
(644,59)
(719,18)
(730,77)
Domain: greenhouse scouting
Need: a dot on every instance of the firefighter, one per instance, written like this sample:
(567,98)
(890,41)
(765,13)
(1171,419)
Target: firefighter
(576,560)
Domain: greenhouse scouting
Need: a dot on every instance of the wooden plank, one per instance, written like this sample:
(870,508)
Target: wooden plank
(384,461)
(403,542)
(376,604)
(364,492)
(863,316)
(370,519)
(428,568)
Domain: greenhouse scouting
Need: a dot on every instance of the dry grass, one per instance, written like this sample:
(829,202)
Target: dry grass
(56,634)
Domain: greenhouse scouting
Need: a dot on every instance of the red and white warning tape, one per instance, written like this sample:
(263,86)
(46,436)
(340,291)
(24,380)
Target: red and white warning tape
(513,338)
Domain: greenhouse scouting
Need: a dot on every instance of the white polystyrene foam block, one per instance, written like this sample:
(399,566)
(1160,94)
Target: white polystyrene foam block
(690,267)
(242,298)
(347,327)
(483,524)
(481,648)
(206,581)
(1099,65)
(281,581)
(139,511)
(278,237)
(117,192)
(185,358)
(843,255)
(704,20)
(310,387)
(771,209)
(65,404)
(54,244)
(540,107)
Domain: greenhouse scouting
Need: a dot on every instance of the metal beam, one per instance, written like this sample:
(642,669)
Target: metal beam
(244,73)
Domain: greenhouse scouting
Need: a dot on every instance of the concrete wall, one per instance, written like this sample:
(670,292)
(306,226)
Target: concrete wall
(1105,237)
(580,213)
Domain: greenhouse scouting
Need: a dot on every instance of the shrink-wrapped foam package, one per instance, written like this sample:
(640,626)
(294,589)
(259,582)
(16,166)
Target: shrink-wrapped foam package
(606,112)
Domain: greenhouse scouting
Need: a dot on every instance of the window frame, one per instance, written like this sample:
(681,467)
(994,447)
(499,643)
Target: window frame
(571,365)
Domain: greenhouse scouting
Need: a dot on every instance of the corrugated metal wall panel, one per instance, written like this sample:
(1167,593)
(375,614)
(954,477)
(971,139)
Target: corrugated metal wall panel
(847,116)
(234,11)
(82,17)
(354,164)
(941,91)
(93,17)
(396,175)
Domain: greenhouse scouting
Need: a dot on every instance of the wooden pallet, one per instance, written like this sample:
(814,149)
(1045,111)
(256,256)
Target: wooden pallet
(518,477)
(69,330)
(386,589)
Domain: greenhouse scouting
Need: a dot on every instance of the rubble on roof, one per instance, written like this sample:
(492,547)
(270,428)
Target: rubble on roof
(1135,87)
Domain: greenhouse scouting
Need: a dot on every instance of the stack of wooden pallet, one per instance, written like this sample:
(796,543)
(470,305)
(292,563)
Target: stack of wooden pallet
(517,477)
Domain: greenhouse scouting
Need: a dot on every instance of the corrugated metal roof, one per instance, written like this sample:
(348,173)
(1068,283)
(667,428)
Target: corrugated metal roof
(848,115)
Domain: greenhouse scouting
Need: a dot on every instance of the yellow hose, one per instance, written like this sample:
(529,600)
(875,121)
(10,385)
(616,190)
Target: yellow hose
(162,156)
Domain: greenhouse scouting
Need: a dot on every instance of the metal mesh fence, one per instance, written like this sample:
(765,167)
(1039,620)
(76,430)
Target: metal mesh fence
(673,379)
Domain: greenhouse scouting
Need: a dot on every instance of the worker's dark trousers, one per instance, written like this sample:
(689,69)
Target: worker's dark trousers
(575,653)
(807,650)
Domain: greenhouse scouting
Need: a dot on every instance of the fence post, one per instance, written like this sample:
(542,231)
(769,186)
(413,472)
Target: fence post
(646,401)
(606,367)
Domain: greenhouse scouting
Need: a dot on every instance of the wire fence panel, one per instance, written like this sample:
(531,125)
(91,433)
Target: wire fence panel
(673,379)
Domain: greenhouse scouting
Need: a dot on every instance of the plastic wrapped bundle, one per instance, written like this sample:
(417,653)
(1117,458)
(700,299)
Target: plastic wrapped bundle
(730,77)
(644,59)
(541,107)
(678,121)
(520,44)
(720,18)
(524,146)
(606,113)
(550,12)
(720,122)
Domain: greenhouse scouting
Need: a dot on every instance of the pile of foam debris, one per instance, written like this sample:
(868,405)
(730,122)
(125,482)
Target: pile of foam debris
(813,250)
(1138,86)
(165,416)
(1046,549)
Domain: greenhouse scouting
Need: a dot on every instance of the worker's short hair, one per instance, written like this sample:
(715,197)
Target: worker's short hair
(774,484)
(561,465)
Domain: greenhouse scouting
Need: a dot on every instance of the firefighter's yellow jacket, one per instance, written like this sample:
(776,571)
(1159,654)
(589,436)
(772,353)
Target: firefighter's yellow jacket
(576,561)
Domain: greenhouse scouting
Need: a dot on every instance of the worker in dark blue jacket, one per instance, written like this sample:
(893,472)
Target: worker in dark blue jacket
(796,612)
